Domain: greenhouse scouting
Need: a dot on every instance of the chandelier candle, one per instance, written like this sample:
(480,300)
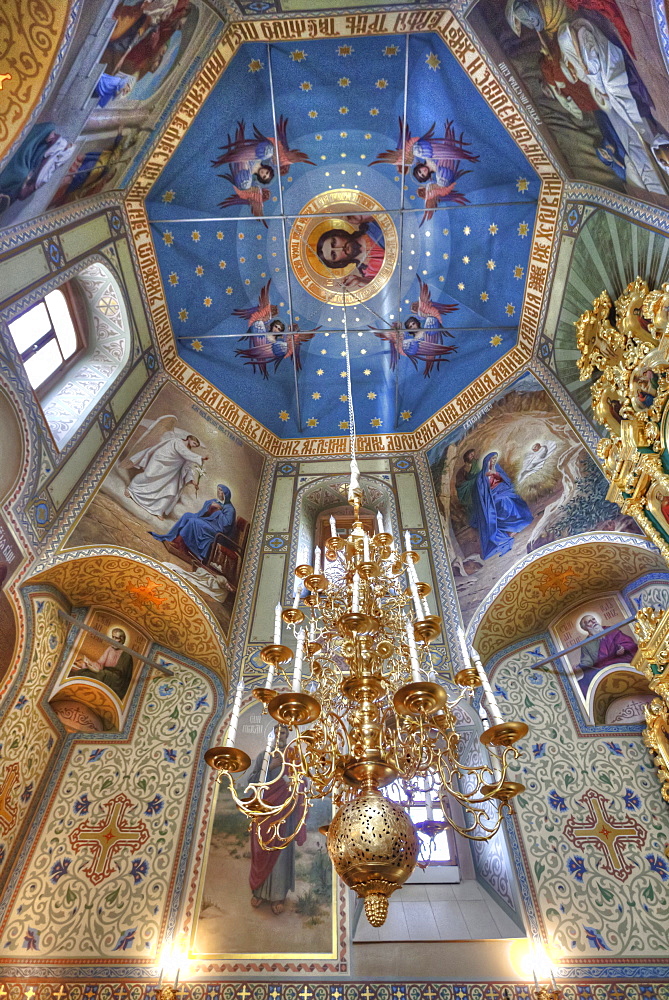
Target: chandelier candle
(296,595)
(333,527)
(379,522)
(269,747)
(491,702)
(277,625)
(413,654)
(299,657)
(234,718)
(317,560)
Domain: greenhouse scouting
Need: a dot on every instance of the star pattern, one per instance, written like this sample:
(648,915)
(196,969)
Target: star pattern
(477,264)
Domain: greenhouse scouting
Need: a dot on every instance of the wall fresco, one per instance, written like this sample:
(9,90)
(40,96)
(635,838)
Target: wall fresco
(255,902)
(124,63)
(606,686)
(594,73)
(511,480)
(182,491)
(97,878)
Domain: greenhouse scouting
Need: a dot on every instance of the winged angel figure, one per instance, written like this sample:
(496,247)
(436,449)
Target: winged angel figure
(435,164)
(251,165)
(422,338)
(267,339)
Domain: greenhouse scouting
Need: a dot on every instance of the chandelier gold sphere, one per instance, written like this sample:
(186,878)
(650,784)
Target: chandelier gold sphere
(374,848)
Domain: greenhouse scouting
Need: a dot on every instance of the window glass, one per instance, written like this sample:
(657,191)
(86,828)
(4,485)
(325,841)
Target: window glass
(439,850)
(44,363)
(30,327)
(62,322)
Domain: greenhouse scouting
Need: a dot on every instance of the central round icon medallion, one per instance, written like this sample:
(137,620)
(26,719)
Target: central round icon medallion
(349,255)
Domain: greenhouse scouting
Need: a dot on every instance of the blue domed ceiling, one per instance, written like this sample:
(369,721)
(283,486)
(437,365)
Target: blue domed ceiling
(241,246)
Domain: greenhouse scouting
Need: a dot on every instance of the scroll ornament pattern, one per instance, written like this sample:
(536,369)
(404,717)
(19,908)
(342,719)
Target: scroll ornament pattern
(584,909)
(26,738)
(62,905)
(30,37)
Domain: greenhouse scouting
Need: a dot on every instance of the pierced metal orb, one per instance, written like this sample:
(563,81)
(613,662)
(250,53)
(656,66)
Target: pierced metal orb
(374,847)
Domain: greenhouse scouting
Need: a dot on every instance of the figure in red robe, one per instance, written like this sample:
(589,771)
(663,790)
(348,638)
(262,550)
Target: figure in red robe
(272,874)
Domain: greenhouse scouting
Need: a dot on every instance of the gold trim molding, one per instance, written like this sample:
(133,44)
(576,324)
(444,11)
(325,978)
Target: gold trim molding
(448,28)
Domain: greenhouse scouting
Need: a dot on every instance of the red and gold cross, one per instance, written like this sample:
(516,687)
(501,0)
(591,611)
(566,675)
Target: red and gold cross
(7,809)
(108,837)
(610,837)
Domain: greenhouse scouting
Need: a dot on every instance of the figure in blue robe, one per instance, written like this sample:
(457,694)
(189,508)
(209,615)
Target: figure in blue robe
(198,530)
(108,87)
(498,512)
(17,180)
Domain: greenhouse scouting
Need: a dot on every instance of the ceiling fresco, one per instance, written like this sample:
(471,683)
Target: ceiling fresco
(435,259)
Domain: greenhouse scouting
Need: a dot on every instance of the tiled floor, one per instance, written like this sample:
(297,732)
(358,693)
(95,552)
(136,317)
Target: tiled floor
(459,912)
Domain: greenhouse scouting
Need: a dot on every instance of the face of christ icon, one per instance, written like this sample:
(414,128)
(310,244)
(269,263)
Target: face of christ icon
(364,248)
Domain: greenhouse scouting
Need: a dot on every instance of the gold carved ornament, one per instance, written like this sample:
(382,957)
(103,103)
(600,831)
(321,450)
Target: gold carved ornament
(652,659)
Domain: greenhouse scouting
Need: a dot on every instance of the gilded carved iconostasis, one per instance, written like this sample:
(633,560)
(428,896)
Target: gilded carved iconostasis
(278,224)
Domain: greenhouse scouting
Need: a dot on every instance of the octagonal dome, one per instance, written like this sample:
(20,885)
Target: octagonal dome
(271,270)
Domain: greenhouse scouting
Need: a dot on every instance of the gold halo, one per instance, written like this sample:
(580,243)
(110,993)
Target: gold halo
(322,282)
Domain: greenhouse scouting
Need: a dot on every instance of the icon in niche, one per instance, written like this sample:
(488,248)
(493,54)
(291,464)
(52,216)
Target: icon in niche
(347,256)
(268,341)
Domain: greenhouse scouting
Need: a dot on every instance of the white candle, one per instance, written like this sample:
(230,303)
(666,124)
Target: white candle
(277,624)
(493,707)
(553,983)
(418,607)
(407,540)
(317,560)
(333,527)
(536,981)
(379,522)
(269,747)
(299,656)
(234,718)
(355,595)
(463,646)
(296,597)
(365,547)
(269,680)
(312,631)
(413,654)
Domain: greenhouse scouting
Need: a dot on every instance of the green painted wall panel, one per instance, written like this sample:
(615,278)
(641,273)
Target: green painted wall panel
(407,492)
(76,465)
(21,271)
(133,384)
(332,467)
(268,593)
(80,239)
(133,293)
(282,504)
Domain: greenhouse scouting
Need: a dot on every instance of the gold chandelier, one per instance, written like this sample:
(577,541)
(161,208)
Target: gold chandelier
(364,712)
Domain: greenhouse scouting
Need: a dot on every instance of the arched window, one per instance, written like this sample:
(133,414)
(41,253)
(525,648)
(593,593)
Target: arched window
(50,335)
(74,340)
